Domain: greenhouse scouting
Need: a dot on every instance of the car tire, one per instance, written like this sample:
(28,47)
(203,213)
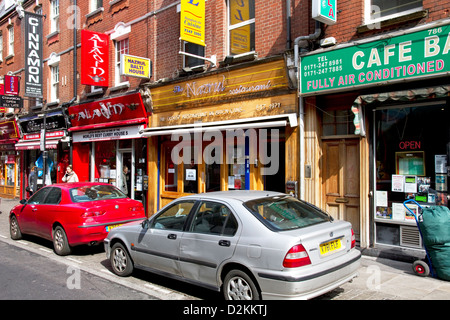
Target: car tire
(60,242)
(238,285)
(14,228)
(121,262)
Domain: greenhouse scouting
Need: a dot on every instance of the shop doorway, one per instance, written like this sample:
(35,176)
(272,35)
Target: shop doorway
(125,172)
(341,180)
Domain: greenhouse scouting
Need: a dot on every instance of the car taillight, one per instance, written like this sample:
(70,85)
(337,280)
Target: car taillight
(137,208)
(353,240)
(296,257)
(94,213)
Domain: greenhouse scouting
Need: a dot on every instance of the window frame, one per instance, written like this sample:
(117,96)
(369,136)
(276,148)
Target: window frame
(54,16)
(54,85)
(11,40)
(368,10)
(118,79)
(230,27)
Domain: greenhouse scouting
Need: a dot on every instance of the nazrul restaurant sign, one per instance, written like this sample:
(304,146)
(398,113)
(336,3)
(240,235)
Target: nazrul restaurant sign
(415,55)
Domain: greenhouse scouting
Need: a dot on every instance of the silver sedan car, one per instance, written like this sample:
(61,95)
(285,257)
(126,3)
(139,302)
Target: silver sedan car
(248,244)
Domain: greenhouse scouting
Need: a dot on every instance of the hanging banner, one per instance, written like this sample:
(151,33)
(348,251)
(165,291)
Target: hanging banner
(192,21)
(94,58)
(33,55)
(11,85)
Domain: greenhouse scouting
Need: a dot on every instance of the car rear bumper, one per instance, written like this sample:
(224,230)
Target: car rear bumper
(314,282)
(94,233)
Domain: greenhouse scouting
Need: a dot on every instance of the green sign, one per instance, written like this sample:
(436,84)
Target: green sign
(324,11)
(410,56)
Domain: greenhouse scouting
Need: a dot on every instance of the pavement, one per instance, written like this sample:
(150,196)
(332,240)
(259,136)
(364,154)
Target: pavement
(379,278)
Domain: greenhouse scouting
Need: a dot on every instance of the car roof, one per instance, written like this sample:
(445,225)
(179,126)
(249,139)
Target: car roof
(240,195)
(78,184)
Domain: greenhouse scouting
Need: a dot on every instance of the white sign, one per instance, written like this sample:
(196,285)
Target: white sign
(108,134)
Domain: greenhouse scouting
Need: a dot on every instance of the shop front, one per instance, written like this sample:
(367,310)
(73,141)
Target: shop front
(31,148)
(379,111)
(107,144)
(228,130)
(9,160)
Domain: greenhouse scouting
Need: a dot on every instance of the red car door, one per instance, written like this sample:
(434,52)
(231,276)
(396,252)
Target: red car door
(45,214)
(29,211)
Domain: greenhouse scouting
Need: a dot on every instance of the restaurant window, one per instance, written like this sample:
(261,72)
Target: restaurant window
(412,152)
(377,10)
(105,161)
(241,26)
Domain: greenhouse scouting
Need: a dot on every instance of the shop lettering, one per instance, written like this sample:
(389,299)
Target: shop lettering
(107,111)
(192,90)
(97,53)
(409,145)
(34,52)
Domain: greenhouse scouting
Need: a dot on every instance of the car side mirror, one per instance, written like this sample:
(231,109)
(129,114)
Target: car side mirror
(23,201)
(145,224)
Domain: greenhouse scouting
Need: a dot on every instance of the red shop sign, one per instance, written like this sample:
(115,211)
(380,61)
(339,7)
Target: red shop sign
(112,112)
(94,58)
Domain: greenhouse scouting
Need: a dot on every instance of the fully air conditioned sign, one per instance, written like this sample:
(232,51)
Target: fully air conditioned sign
(33,55)
(412,56)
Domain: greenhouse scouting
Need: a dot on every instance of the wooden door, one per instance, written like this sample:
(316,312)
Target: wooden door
(341,180)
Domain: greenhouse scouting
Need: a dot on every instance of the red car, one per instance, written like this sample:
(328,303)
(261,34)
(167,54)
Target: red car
(71,214)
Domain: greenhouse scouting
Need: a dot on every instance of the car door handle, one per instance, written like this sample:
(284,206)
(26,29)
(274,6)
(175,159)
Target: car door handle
(34,209)
(172,236)
(224,243)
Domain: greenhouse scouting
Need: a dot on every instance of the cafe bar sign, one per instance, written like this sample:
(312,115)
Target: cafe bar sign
(415,55)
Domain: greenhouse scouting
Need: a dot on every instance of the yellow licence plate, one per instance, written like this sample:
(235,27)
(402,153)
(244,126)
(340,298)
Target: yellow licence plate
(330,246)
(109,228)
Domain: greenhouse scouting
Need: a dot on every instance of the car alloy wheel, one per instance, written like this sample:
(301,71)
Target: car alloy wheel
(60,242)
(14,229)
(121,261)
(239,286)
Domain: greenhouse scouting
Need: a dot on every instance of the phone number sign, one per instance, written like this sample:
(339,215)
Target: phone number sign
(410,56)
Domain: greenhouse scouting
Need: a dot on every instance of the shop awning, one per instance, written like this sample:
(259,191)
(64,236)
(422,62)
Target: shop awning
(407,95)
(249,123)
(35,144)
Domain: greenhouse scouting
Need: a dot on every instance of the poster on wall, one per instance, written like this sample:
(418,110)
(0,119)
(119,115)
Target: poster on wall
(398,183)
(441,182)
(440,163)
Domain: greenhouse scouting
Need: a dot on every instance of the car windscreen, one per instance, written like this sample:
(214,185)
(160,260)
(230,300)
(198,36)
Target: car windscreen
(285,213)
(94,193)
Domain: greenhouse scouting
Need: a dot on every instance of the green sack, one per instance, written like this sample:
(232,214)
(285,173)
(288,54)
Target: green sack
(435,225)
(440,260)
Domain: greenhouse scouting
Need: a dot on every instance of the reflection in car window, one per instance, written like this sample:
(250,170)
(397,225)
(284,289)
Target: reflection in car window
(285,213)
(96,192)
(214,218)
(54,196)
(174,217)
(39,196)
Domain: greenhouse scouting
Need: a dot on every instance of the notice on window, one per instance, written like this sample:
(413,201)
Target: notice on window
(398,183)
(440,163)
(382,199)
(191,175)
(410,184)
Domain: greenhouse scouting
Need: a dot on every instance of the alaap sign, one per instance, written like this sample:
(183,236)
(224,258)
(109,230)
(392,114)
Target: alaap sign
(410,56)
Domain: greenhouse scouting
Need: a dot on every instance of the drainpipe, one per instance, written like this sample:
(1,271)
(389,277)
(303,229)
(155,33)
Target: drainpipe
(288,24)
(301,110)
(74,70)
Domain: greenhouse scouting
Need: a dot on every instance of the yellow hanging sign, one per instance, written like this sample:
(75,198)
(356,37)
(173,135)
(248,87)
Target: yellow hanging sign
(192,21)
